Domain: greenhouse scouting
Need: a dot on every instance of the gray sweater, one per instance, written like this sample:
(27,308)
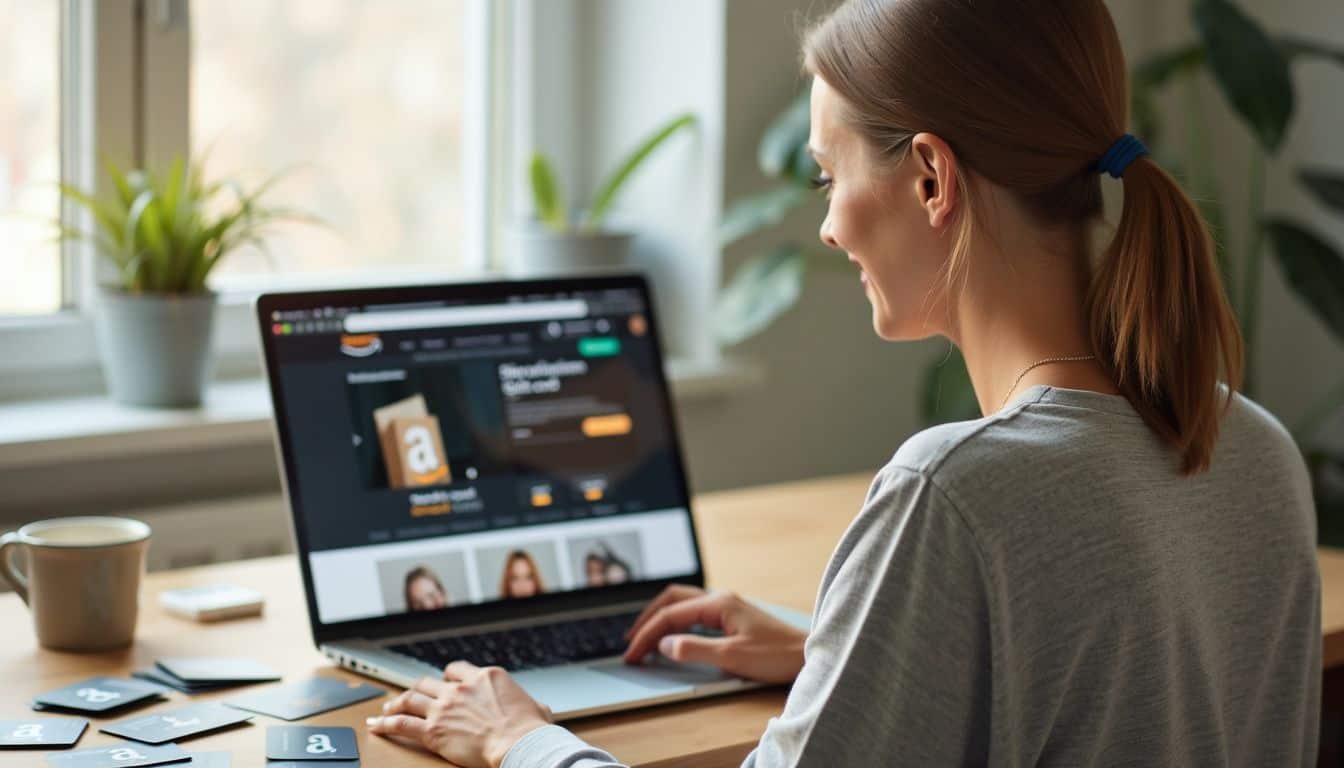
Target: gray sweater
(1043,587)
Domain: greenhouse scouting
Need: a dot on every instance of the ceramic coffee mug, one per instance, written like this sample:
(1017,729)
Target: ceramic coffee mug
(83,579)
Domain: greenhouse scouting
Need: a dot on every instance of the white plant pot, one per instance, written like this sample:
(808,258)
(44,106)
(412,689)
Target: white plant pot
(155,348)
(538,250)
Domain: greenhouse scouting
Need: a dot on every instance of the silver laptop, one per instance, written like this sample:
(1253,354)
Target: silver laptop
(487,472)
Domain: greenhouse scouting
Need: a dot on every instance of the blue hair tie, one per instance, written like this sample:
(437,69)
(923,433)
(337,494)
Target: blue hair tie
(1124,151)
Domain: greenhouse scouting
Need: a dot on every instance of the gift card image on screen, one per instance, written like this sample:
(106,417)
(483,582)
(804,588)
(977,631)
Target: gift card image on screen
(426,426)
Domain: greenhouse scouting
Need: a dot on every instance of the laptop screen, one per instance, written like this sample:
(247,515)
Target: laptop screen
(461,451)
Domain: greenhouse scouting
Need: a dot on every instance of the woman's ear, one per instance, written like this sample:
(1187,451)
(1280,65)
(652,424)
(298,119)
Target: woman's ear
(936,177)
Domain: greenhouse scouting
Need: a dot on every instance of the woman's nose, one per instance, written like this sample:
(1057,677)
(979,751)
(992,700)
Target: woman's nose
(825,234)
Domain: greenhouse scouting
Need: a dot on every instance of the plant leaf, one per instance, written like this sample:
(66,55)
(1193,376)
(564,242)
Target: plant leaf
(546,195)
(1293,47)
(607,194)
(1313,269)
(764,287)
(1249,68)
(785,137)
(948,394)
(752,214)
(1326,185)
(1157,69)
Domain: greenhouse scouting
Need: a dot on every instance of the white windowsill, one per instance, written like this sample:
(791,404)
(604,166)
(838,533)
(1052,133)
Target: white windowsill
(43,432)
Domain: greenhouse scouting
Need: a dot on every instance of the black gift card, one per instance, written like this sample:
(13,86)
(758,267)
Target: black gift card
(301,742)
(300,700)
(177,724)
(97,694)
(41,732)
(119,756)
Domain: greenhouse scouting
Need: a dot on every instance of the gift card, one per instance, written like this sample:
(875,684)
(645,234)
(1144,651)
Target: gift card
(42,732)
(177,724)
(97,694)
(119,756)
(310,697)
(301,742)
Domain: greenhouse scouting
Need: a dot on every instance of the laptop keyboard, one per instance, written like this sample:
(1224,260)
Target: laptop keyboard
(545,645)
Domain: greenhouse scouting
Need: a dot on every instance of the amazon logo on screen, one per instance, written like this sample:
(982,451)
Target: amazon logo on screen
(361,345)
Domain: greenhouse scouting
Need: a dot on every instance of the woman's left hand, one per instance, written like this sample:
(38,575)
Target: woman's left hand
(471,717)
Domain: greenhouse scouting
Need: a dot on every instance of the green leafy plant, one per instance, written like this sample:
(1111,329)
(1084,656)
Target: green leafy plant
(769,283)
(164,233)
(1252,70)
(550,203)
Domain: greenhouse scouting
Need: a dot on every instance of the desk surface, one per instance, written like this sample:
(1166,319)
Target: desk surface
(789,531)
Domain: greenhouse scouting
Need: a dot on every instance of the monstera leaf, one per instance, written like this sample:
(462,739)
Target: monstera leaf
(764,288)
(1250,69)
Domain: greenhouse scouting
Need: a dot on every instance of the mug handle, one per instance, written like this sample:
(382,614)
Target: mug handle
(16,580)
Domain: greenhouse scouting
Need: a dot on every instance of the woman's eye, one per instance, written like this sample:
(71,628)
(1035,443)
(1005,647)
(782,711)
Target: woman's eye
(820,182)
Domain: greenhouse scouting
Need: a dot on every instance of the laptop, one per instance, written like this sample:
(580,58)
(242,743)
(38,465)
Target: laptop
(486,471)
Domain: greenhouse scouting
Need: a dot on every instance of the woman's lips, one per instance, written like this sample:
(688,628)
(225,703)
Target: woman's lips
(863,276)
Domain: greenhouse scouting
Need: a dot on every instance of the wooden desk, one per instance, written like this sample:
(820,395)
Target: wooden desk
(771,543)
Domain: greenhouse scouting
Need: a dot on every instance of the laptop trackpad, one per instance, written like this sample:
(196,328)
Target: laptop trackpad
(659,672)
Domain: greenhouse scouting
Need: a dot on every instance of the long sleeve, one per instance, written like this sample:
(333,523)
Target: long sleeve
(551,746)
(897,665)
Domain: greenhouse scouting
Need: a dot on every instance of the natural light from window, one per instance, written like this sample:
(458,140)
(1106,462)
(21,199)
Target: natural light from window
(365,100)
(30,159)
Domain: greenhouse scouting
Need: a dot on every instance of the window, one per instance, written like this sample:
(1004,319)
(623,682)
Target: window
(383,110)
(365,102)
(30,159)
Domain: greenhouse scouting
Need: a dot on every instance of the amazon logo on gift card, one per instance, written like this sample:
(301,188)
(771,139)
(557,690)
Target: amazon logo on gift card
(361,345)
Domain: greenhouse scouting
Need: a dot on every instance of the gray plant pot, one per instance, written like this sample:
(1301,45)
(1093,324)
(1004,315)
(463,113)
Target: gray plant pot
(155,348)
(538,250)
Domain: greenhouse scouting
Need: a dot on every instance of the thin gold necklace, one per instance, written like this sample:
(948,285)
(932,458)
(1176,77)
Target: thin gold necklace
(1037,364)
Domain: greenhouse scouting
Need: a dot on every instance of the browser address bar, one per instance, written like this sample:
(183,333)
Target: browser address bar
(486,314)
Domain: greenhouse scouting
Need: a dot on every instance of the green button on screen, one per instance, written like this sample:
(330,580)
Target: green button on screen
(599,346)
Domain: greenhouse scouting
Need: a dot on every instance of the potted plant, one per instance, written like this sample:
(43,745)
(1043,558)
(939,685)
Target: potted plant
(561,241)
(163,234)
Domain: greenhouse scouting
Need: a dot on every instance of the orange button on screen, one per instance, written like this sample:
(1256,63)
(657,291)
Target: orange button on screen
(606,426)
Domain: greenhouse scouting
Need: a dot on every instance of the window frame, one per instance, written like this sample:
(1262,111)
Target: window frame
(123,61)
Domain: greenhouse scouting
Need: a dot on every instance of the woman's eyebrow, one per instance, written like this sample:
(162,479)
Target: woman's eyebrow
(816,152)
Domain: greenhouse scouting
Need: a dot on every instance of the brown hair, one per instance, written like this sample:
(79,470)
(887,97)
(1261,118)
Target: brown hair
(515,555)
(1031,106)
(420,572)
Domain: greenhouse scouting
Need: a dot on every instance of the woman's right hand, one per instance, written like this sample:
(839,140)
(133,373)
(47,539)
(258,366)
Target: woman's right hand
(754,645)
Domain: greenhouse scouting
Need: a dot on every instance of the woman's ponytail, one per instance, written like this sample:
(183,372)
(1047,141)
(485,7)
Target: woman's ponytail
(1160,320)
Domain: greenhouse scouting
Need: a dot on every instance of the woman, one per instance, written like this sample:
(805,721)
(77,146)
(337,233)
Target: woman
(521,576)
(1116,565)
(424,591)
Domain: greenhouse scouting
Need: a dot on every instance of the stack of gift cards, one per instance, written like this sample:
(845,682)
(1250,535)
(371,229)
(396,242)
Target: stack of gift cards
(199,675)
(103,696)
(297,746)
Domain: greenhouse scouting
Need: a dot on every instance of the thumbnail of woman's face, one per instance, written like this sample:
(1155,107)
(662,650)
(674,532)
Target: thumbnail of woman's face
(522,581)
(596,571)
(424,595)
